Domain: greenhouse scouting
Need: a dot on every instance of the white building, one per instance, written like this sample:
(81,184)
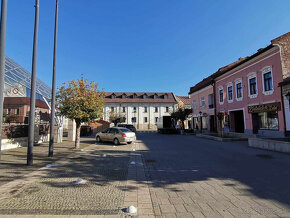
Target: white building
(142,109)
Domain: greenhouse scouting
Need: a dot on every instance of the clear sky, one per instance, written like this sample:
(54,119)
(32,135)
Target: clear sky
(143,45)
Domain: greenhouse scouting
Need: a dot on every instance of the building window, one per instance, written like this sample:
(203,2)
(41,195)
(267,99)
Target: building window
(17,111)
(145,109)
(253,86)
(112,109)
(221,96)
(167,109)
(166,96)
(230,93)
(239,90)
(124,109)
(145,119)
(267,79)
(268,86)
(156,119)
(156,109)
(134,109)
(210,101)
(133,119)
(268,120)
(194,105)
(202,102)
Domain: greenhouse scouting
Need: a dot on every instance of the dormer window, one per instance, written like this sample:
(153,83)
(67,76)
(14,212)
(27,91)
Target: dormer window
(145,96)
(155,96)
(124,96)
(113,96)
(134,96)
(165,96)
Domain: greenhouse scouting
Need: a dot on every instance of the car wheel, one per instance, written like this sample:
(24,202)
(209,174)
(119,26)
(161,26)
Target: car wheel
(98,139)
(129,142)
(116,141)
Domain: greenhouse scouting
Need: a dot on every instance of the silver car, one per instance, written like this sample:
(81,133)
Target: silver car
(117,135)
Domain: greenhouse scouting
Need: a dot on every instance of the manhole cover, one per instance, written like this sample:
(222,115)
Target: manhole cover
(266,156)
(150,161)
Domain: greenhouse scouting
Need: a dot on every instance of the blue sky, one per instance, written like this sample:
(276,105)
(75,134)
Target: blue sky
(143,45)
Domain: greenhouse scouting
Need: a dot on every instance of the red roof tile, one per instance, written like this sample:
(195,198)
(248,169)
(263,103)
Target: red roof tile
(184,99)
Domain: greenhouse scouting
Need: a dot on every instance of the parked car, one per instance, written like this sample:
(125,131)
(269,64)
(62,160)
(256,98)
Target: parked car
(117,135)
(128,126)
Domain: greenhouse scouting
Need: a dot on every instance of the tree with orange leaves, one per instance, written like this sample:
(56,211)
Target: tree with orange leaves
(80,101)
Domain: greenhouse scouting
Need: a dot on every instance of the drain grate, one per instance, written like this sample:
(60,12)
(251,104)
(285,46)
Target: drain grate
(266,156)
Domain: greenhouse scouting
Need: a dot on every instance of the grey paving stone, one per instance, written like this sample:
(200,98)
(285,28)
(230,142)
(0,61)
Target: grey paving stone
(167,208)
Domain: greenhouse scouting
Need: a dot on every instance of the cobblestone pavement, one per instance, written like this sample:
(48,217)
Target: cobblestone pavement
(162,175)
(52,191)
(13,162)
(194,177)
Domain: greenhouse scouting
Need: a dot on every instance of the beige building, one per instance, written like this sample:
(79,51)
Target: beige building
(142,109)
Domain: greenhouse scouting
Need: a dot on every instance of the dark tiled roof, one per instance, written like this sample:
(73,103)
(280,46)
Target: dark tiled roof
(210,79)
(184,99)
(140,97)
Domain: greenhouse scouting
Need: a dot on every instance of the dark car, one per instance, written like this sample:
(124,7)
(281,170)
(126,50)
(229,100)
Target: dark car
(128,126)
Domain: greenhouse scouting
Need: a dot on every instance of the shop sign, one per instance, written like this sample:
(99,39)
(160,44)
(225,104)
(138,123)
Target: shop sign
(264,107)
(18,91)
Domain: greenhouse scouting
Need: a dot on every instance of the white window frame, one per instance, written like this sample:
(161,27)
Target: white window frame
(251,76)
(219,89)
(230,84)
(237,81)
(202,105)
(265,70)
(194,104)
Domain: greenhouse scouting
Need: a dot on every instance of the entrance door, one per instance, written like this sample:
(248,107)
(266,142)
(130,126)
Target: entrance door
(211,123)
(255,122)
(239,121)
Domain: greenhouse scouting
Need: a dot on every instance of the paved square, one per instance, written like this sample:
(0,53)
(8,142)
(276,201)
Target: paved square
(173,176)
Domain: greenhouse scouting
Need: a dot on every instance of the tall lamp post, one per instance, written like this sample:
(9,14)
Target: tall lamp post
(51,136)
(33,89)
(2,62)
(200,115)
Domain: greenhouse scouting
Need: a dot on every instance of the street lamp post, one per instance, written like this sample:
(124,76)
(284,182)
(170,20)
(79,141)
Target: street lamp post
(51,136)
(2,62)
(200,113)
(33,89)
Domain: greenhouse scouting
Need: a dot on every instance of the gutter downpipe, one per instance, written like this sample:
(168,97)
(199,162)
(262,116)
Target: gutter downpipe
(281,89)
(214,101)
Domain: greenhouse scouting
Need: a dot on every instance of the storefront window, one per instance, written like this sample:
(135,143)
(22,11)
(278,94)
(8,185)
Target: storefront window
(204,124)
(268,120)
(195,123)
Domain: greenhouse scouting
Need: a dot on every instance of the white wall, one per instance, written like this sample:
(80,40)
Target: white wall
(140,114)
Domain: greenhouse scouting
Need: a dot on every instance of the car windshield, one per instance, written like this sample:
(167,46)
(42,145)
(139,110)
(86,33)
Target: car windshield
(125,130)
(130,126)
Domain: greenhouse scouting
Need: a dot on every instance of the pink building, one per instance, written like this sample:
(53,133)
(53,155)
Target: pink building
(248,95)
(203,108)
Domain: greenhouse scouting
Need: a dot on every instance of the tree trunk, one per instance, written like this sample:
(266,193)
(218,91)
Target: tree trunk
(78,134)
(183,125)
